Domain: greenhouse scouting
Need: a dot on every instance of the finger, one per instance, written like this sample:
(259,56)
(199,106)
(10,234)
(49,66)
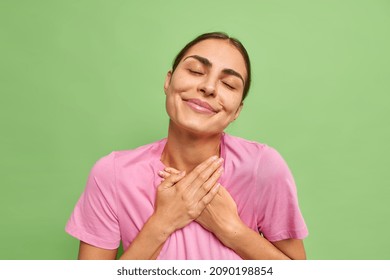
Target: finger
(199,193)
(163,174)
(204,176)
(209,197)
(172,180)
(187,181)
(171,170)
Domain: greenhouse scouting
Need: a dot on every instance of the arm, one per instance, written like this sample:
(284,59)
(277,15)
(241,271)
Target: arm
(233,233)
(89,252)
(245,240)
(149,241)
(180,199)
(293,248)
(147,245)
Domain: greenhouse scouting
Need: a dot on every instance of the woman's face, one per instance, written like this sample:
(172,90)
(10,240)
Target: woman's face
(204,93)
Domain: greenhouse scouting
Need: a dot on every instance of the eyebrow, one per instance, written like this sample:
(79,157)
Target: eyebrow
(207,63)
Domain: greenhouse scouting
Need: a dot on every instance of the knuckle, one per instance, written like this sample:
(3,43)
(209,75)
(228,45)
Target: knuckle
(192,214)
(169,179)
(186,199)
(206,199)
(203,176)
(175,179)
(206,187)
(196,171)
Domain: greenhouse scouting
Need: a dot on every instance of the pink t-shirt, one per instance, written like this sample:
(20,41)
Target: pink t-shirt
(120,194)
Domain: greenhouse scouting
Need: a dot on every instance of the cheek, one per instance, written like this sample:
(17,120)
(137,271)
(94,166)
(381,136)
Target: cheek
(231,101)
(169,103)
(172,101)
(181,83)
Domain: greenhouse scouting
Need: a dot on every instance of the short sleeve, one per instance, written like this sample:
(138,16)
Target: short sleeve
(279,215)
(94,219)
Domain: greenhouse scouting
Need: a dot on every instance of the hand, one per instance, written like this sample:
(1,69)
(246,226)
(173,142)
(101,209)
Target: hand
(220,216)
(181,198)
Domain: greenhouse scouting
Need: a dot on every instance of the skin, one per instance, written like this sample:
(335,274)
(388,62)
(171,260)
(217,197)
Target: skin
(221,218)
(211,71)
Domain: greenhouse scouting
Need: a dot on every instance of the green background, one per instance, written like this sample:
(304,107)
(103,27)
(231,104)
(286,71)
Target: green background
(79,79)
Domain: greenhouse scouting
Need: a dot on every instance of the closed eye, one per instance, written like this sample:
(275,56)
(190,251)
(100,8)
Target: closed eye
(229,86)
(195,72)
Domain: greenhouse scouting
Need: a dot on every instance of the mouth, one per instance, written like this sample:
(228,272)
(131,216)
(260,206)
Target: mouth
(200,106)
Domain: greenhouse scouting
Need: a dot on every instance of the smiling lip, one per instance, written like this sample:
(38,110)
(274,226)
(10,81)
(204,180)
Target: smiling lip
(200,106)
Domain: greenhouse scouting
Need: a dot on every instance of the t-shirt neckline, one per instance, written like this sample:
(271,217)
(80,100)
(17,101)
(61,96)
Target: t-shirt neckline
(159,165)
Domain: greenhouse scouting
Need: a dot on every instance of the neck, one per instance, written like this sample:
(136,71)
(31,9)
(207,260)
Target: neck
(185,150)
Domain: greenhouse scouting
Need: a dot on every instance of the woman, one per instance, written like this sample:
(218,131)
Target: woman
(221,197)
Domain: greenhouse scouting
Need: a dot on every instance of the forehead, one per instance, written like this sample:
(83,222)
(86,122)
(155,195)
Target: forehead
(221,53)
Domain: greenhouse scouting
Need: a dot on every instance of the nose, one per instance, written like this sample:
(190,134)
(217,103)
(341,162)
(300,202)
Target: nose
(207,87)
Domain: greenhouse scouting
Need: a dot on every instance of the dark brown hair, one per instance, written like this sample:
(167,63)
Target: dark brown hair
(221,36)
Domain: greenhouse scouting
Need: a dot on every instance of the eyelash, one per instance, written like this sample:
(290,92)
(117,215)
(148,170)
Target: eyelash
(229,86)
(195,72)
(200,73)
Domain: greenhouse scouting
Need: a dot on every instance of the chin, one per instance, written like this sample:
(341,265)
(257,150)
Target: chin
(200,129)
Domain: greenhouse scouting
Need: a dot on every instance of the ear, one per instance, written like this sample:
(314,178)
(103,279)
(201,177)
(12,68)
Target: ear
(167,81)
(238,111)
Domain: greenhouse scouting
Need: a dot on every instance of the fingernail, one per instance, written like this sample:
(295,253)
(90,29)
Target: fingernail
(214,158)
(161,173)
(220,160)
(217,186)
(220,170)
(182,173)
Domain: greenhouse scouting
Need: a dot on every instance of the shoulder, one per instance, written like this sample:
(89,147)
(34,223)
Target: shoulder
(136,155)
(106,165)
(103,169)
(252,149)
(266,160)
(140,154)
(241,145)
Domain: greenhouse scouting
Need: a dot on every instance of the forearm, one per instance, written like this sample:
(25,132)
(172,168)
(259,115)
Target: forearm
(149,241)
(250,245)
